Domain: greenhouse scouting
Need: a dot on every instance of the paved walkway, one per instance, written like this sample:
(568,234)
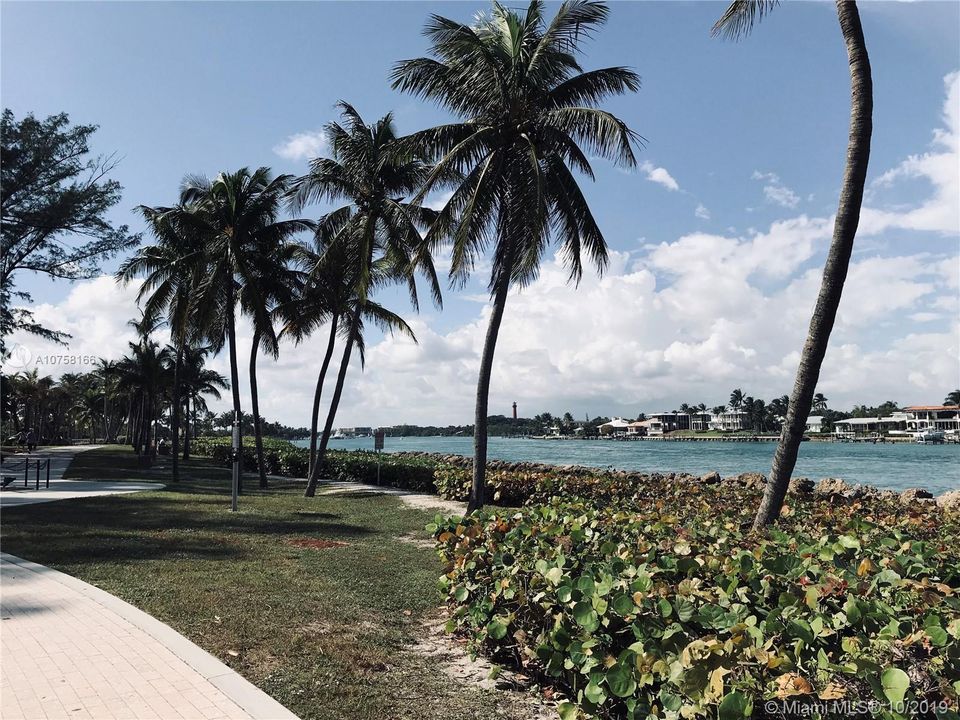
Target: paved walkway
(16,494)
(70,650)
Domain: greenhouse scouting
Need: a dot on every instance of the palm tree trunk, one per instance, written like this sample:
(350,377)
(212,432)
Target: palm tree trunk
(835,269)
(334,403)
(175,416)
(314,472)
(235,384)
(255,406)
(186,428)
(478,487)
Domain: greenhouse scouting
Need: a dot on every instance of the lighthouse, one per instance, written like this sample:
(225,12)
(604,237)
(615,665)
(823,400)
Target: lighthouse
(514,410)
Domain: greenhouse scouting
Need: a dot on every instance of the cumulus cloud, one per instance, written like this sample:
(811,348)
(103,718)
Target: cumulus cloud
(939,168)
(659,175)
(775,191)
(302,146)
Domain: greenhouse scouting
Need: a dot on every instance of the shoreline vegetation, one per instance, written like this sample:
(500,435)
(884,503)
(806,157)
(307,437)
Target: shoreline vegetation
(515,482)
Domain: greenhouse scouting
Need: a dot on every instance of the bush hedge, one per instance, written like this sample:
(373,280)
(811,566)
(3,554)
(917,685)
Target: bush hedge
(651,612)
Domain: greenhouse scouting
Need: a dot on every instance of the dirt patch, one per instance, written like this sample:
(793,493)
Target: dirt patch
(416,540)
(451,655)
(315,544)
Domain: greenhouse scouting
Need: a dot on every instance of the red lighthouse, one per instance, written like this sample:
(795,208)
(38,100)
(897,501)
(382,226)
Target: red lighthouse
(514,410)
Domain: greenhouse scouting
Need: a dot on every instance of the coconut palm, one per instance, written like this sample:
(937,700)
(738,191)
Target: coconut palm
(528,116)
(173,269)
(736,22)
(952,398)
(237,217)
(820,402)
(736,399)
(374,236)
(197,380)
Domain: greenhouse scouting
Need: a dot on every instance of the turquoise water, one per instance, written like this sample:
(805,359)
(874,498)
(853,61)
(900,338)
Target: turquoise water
(892,466)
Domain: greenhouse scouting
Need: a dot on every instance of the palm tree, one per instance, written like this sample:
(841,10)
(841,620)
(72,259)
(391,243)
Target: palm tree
(236,215)
(173,269)
(197,380)
(526,110)
(736,22)
(952,398)
(736,399)
(374,236)
(819,402)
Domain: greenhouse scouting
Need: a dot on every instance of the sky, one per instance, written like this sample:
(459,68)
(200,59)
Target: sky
(717,239)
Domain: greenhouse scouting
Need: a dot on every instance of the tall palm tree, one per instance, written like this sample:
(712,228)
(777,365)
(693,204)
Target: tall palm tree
(736,22)
(375,235)
(237,216)
(173,269)
(526,112)
(819,402)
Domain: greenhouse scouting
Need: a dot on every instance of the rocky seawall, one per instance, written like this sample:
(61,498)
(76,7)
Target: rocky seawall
(834,489)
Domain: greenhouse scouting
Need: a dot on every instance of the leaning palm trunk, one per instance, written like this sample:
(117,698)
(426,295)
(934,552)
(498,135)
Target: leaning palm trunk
(314,472)
(478,486)
(835,270)
(175,417)
(334,403)
(255,407)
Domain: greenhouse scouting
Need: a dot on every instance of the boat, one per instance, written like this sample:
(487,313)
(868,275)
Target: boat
(929,436)
(338,435)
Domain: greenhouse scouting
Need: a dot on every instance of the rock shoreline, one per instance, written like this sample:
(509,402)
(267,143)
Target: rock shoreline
(833,489)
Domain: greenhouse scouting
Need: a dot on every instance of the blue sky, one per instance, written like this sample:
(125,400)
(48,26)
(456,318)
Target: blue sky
(743,141)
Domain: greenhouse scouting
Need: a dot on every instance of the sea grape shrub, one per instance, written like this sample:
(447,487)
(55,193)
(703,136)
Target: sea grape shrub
(634,614)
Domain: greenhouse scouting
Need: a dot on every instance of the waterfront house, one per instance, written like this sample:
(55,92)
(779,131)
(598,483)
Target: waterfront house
(730,420)
(852,427)
(933,417)
(617,426)
(700,421)
(672,420)
(638,428)
(814,424)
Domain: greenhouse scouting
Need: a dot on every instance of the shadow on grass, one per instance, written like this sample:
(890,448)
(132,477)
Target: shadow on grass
(157,525)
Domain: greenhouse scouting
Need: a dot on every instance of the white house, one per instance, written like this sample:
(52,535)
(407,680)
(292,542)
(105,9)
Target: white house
(730,420)
(617,426)
(815,423)
(937,417)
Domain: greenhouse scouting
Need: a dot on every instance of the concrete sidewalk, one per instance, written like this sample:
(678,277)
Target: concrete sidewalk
(16,494)
(70,650)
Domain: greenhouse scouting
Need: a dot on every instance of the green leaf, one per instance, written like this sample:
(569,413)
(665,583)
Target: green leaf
(496,629)
(895,684)
(734,706)
(623,605)
(461,593)
(554,575)
(665,607)
(568,711)
(620,680)
(584,614)
(594,693)
(684,608)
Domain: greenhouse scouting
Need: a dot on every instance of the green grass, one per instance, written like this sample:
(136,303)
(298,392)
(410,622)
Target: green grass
(326,632)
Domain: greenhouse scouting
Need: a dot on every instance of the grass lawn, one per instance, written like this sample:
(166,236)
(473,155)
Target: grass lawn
(325,631)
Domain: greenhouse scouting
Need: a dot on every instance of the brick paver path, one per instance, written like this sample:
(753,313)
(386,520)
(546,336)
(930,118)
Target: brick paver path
(70,650)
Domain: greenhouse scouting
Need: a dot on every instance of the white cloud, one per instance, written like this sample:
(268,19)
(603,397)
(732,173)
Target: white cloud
(775,191)
(702,212)
(659,175)
(940,168)
(302,146)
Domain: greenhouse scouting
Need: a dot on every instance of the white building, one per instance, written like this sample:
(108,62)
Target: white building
(730,420)
(814,423)
(617,426)
(936,417)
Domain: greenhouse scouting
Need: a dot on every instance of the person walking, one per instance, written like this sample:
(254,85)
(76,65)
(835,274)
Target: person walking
(31,440)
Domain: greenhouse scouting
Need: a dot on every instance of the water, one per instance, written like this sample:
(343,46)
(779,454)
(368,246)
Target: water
(894,466)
